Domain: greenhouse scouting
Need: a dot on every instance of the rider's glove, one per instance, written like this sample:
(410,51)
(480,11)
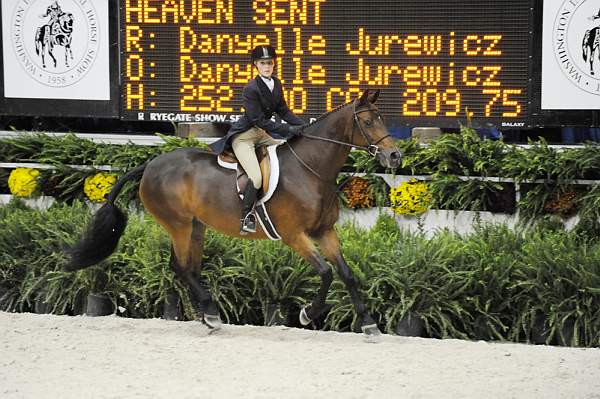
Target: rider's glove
(295,130)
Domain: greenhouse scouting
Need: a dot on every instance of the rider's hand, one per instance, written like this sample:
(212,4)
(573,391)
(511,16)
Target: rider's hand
(295,130)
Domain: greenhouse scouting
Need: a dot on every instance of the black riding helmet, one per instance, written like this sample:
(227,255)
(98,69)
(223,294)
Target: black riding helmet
(263,53)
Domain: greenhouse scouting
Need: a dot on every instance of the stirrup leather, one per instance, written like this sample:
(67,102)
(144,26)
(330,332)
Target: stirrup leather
(248,224)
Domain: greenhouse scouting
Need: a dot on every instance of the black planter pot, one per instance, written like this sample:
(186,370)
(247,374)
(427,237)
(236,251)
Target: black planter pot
(540,331)
(565,336)
(3,292)
(41,307)
(410,325)
(78,307)
(98,305)
(171,308)
(274,316)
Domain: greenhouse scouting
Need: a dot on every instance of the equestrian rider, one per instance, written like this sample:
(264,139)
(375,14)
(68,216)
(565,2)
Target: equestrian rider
(262,97)
(54,11)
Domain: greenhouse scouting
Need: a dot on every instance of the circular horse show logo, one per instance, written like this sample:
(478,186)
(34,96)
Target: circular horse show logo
(576,43)
(55,41)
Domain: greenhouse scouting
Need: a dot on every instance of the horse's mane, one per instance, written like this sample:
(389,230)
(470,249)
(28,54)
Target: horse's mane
(325,115)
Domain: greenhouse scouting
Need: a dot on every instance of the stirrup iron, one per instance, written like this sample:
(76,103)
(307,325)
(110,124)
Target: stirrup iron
(248,224)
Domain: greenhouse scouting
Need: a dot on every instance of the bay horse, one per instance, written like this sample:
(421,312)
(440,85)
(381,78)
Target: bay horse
(591,44)
(58,33)
(186,191)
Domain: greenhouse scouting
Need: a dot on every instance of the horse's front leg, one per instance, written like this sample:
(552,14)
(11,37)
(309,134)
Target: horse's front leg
(330,245)
(304,246)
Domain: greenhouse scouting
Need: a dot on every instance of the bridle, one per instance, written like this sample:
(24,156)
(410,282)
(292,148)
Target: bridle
(371,147)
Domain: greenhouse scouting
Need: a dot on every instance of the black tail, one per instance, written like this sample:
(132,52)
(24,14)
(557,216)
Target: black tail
(103,234)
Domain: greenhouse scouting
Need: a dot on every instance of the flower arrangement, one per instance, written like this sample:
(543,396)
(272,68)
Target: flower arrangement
(563,204)
(358,193)
(98,186)
(410,198)
(22,182)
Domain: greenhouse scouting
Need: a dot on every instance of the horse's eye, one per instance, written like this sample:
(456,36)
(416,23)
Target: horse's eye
(368,122)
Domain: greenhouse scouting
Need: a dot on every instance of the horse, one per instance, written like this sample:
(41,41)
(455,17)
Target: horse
(57,33)
(186,190)
(591,43)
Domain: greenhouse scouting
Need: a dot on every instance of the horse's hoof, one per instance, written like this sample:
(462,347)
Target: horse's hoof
(371,333)
(304,320)
(213,321)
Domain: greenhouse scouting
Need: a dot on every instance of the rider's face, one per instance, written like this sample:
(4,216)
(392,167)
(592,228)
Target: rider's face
(265,67)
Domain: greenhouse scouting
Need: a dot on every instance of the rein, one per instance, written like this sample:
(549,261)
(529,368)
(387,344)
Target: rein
(304,163)
(372,148)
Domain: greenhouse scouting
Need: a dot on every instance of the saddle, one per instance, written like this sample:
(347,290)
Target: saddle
(270,176)
(262,155)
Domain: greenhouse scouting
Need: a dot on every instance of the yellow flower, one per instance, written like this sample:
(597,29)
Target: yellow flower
(98,186)
(22,182)
(410,198)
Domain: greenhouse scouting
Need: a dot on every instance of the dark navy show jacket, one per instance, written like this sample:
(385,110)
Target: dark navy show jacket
(260,104)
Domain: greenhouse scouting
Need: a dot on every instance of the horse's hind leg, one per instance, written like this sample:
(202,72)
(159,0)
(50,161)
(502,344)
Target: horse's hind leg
(186,262)
(305,248)
(330,246)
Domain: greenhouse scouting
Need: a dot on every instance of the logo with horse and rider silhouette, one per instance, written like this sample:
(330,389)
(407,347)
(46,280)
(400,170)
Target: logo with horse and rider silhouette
(55,41)
(576,43)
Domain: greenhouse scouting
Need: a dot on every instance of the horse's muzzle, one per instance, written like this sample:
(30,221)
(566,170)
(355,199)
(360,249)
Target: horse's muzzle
(389,157)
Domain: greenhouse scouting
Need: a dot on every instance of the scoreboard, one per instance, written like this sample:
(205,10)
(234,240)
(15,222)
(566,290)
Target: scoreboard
(436,62)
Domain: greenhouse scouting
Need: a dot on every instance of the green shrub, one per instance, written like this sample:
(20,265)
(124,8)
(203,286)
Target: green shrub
(446,159)
(493,284)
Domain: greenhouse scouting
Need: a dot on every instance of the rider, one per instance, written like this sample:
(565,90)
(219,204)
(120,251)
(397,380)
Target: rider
(54,11)
(262,97)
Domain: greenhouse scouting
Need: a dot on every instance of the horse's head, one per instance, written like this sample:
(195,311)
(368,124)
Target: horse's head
(372,132)
(66,22)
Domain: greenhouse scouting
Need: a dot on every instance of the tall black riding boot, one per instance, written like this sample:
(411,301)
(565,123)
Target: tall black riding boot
(248,219)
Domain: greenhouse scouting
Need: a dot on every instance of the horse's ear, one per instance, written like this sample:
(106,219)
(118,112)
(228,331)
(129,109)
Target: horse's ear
(374,96)
(364,98)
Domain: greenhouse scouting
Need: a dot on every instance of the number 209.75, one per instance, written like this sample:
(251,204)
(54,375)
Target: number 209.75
(434,102)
